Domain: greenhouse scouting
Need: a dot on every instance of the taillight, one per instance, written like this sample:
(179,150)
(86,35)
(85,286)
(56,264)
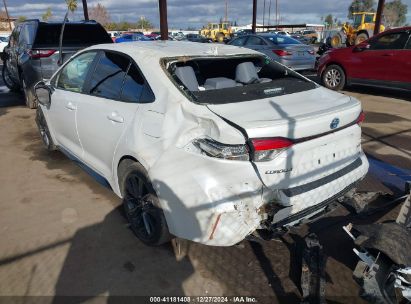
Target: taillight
(361,118)
(268,149)
(311,52)
(41,53)
(282,52)
(216,149)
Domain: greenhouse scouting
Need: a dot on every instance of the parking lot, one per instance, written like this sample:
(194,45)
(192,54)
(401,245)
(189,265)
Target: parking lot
(62,233)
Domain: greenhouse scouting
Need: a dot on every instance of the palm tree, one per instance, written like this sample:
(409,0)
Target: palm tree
(71,7)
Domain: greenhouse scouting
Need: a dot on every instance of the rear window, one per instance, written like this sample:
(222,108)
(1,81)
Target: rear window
(48,34)
(233,79)
(282,40)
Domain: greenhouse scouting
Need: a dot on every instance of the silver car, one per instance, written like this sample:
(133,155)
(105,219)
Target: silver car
(283,49)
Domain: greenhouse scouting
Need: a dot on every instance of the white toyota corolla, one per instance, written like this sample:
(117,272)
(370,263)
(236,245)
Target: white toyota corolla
(210,143)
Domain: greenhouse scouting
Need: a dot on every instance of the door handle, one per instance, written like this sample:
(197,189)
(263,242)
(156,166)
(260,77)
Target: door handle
(388,54)
(115,117)
(71,106)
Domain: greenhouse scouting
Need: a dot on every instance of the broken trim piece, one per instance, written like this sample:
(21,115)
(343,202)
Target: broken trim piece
(290,192)
(215,227)
(300,215)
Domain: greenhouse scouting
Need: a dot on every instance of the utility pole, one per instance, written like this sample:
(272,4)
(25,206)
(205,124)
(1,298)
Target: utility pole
(85,10)
(276,12)
(162,4)
(226,10)
(378,17)
(269,13)
(7,14)
(254,24)
(264,13)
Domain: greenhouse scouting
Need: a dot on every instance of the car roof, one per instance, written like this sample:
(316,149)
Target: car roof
(398,29)
(163,49)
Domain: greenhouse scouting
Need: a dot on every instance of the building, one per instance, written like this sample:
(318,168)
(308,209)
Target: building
(5,22)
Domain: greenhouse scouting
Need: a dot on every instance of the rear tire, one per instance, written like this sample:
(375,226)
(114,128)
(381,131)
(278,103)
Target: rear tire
(220,37)
(360,38)
(8,81)
(141,205)
(29,97)
(333,77)
(337,40)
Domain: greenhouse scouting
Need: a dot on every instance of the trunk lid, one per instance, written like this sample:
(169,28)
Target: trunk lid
(293,116)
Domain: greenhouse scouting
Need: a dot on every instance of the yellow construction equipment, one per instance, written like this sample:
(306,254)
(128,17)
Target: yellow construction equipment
(217,31)
(361,29)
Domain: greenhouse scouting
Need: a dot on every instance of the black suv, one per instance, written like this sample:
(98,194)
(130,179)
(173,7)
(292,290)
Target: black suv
(33,53)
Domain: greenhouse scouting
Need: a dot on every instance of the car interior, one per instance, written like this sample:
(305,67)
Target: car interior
(244,77)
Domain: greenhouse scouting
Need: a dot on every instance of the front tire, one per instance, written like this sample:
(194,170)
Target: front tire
(141,205)
(29,97)
(333,77)
(44,131)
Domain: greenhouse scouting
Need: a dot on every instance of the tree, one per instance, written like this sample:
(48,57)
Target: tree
(395,13)
(47,15)
(360,6)
(144,23)
(100,14)
(21,19)
(329,20)
(71,6)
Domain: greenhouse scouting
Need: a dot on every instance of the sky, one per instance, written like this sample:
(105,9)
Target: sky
(195,13)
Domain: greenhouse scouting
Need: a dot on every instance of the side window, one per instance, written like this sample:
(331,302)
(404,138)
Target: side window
(135,89)
(74,73)
(253,40)
(392,41)
(14,36)
(239,41)
(108,76)
(408,46)
(23,36)
(369,19)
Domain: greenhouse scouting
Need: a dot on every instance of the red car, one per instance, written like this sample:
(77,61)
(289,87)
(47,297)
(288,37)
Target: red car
(383,61)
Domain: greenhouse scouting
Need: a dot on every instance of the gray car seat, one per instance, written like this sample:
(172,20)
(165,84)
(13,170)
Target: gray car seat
(187,77)
(246,73)
(219,83)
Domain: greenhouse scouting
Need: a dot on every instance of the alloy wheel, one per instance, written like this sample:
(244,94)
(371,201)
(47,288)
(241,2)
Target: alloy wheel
(140,211)
(332,78)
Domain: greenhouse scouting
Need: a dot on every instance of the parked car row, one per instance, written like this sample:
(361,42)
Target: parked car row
(34,53)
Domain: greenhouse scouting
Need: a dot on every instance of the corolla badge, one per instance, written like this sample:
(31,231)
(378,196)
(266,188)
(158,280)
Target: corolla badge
(334,123)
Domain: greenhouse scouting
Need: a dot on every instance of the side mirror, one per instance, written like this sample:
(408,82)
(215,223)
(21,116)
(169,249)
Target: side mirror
(361,48)
(43,93)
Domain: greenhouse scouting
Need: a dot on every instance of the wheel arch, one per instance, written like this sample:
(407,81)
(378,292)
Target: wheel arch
(124,158)
(335,63)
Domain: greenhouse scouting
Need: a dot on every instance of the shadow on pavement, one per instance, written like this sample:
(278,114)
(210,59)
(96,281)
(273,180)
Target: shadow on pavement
(106,259)
(397,94)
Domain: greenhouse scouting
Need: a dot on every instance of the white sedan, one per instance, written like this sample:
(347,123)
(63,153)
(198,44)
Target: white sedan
(4,41)
(210,143)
